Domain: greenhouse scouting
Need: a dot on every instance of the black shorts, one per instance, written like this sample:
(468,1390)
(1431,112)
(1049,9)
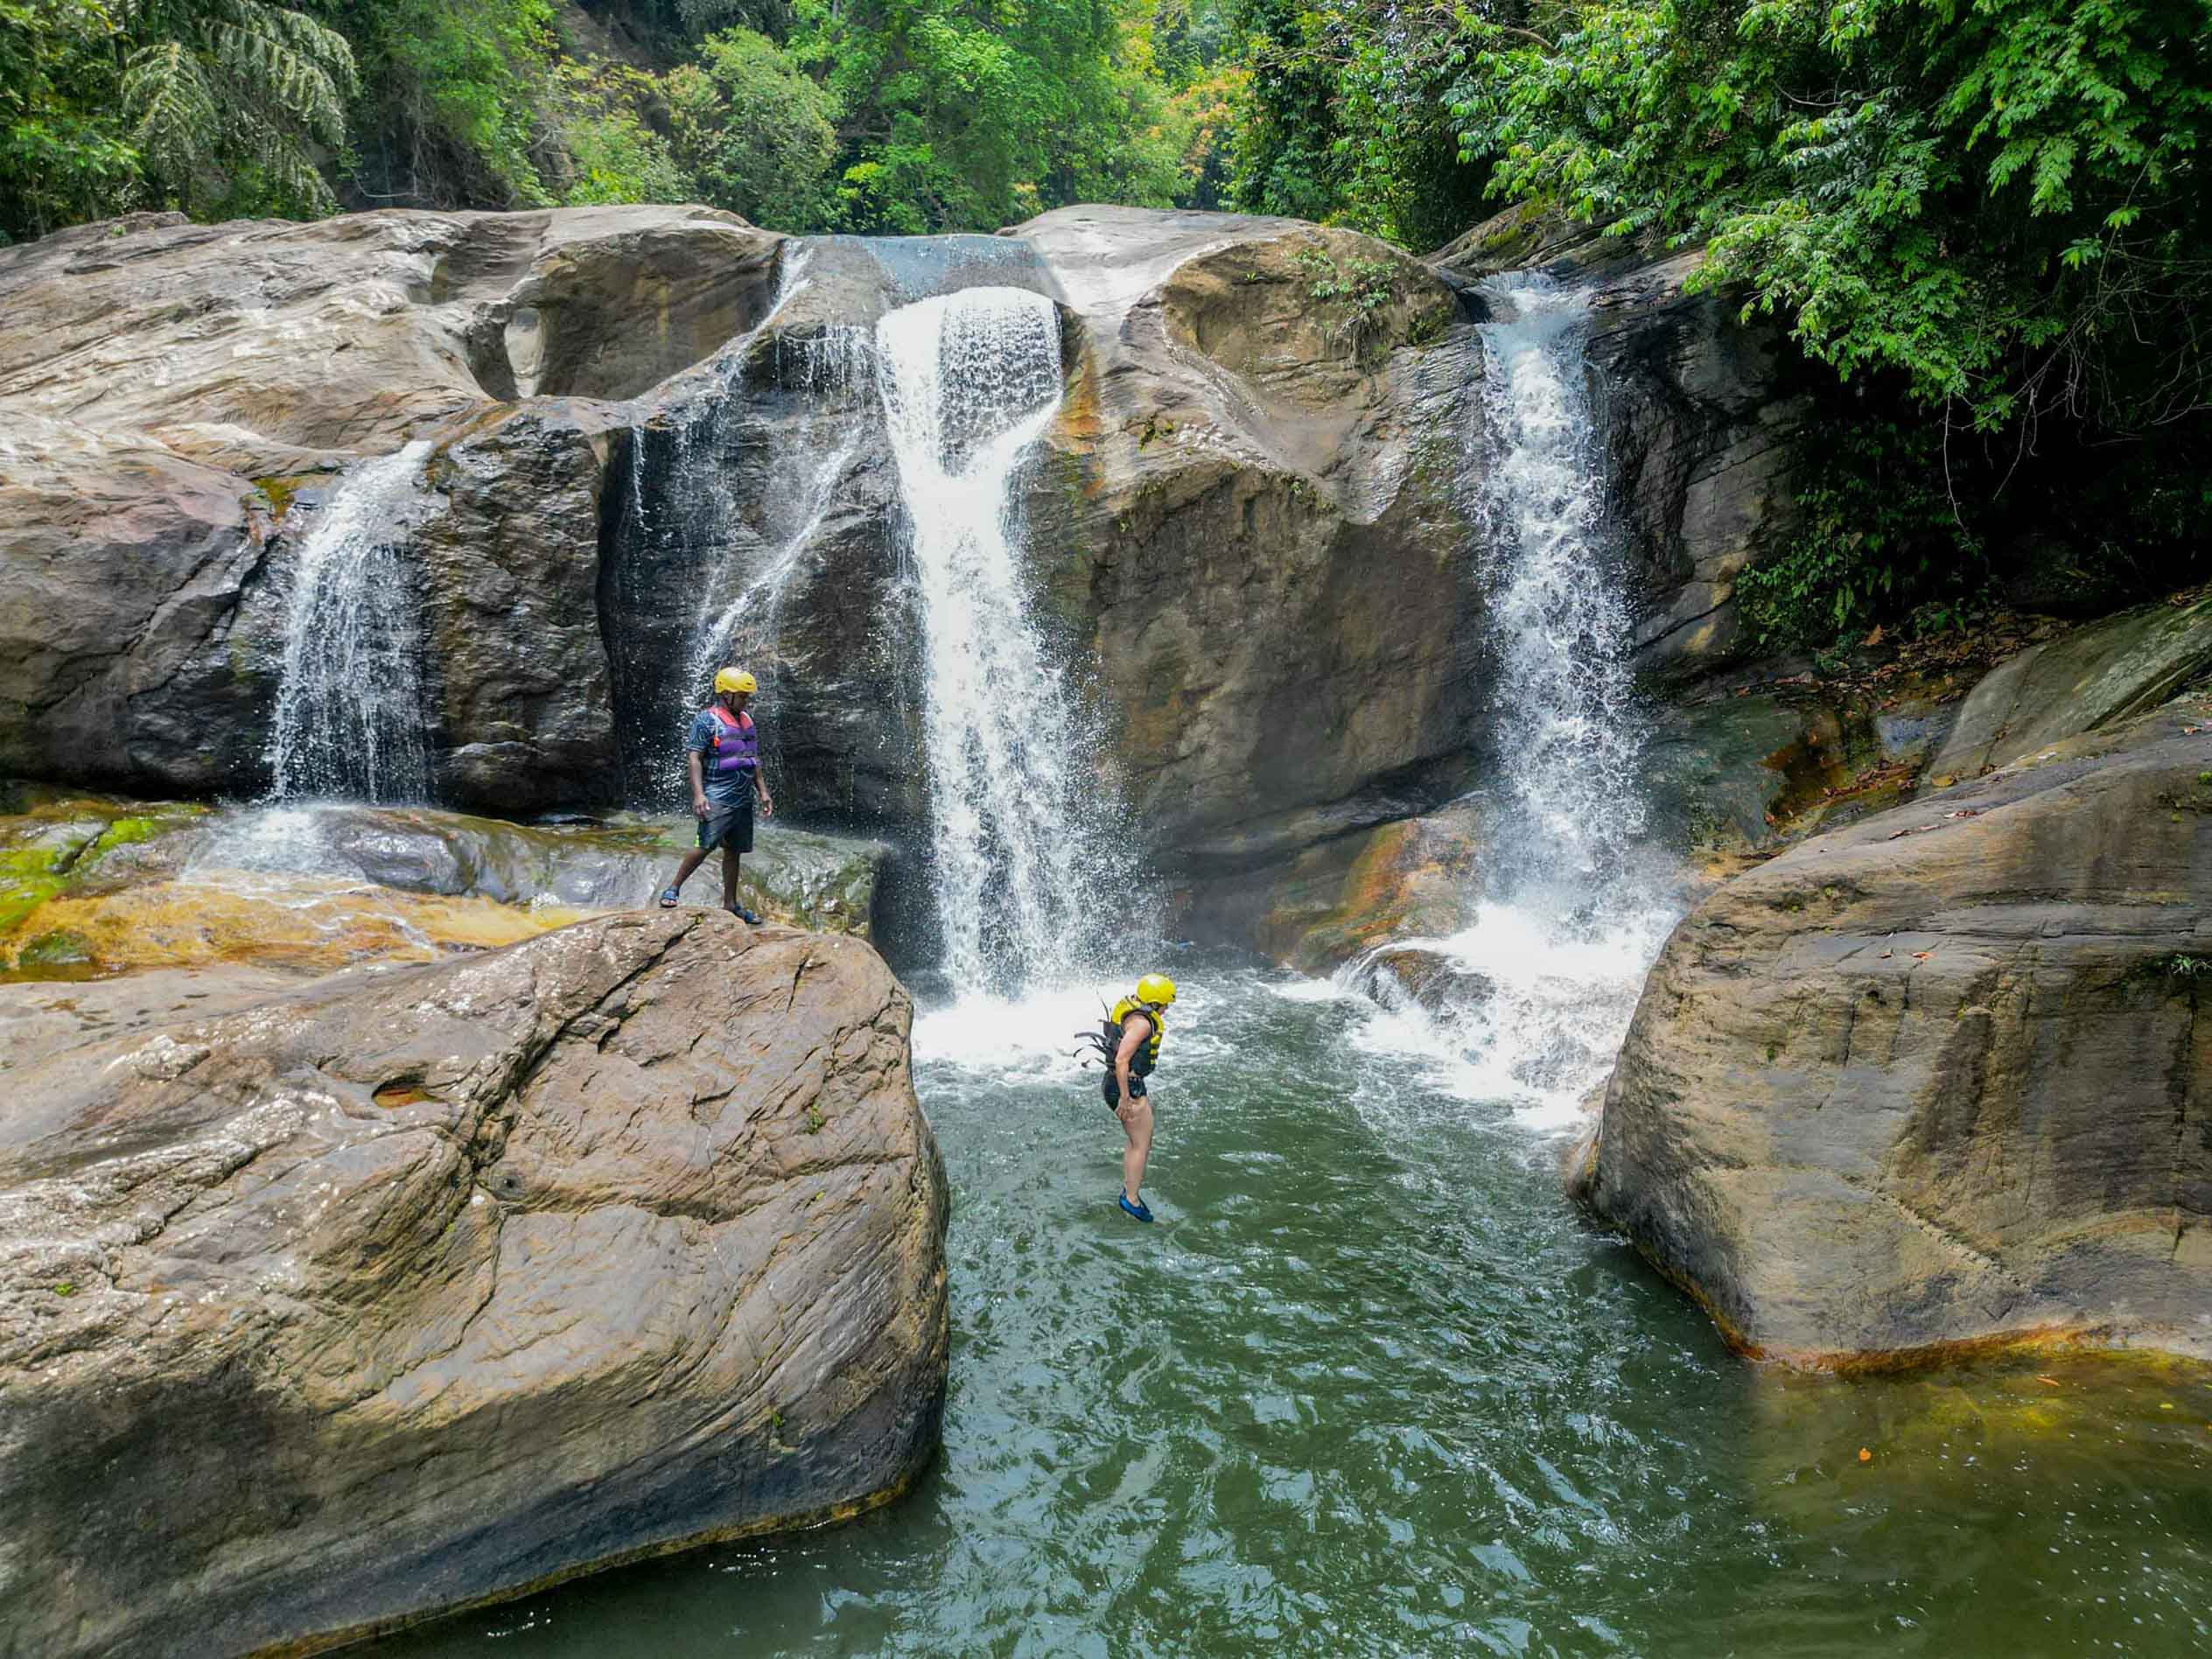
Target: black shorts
(1112,1091)
(728,825)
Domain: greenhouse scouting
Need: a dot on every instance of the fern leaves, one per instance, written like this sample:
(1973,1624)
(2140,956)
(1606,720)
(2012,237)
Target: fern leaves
(220,89)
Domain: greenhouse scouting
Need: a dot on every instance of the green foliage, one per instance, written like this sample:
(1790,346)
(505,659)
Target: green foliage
(1348,118)
(228,101)
(1877,535)
(757,133)
(457,93)
(960,116)
(1288,156)
(607,152)
(1354,295)
(2001,200)
(64,153)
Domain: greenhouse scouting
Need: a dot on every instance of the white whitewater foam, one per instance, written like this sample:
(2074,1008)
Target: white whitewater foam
(350,718)
(1570,919)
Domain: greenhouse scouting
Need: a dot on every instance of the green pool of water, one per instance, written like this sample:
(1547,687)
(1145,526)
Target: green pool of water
(1370,1387)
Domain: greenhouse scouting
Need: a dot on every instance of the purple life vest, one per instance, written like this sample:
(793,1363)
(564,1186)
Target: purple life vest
(736,742)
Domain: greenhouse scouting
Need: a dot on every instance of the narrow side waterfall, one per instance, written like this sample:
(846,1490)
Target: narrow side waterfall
(709,550)
(1568,732)
(1022,838)
(743,626)
(1569,918)
(350,719)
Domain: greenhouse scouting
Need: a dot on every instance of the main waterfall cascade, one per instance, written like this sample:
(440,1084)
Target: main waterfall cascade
(1025,856)
(350,718)
(1569,916)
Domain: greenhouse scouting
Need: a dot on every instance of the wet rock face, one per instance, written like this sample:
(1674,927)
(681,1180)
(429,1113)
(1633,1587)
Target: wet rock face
(121,570)
(1250,514)
(510,611)
(1940,1078)
(1356,885)
(1701,415)
(464,1278)
(170,391)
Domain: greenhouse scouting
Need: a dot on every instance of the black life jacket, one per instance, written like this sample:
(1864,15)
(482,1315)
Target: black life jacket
(1107,1037)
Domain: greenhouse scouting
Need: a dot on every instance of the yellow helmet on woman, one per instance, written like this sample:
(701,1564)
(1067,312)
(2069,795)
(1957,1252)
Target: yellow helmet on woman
(1156,988)
(735,679)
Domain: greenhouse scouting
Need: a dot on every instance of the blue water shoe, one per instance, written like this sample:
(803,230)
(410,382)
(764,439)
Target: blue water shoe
(668,896)
(1140,1209)
(745,915)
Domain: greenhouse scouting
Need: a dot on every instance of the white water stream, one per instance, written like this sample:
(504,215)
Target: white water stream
(350,719)
(1570,916)
(1023,837)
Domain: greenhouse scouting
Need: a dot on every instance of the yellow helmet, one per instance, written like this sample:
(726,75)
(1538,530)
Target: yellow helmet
(1156,988)
(735,679)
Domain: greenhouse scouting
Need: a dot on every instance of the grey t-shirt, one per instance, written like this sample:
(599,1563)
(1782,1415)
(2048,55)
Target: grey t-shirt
(724,789)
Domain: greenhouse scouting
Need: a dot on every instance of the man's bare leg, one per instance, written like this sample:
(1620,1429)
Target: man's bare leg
(692,860)
(1136,1123)
(730,877)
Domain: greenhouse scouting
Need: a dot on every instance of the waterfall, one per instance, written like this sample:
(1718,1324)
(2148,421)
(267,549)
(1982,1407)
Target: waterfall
(1568,732)
(728,496)
(350,719)
(1568,919)
(1022,838)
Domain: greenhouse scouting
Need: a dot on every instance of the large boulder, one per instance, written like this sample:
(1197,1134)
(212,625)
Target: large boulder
(268,346)
(1939,1080)
(1250,516)
(2078,682)
(326,1309)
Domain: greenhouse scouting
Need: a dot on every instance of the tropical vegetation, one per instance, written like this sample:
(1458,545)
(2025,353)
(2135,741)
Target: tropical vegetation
(1982,224)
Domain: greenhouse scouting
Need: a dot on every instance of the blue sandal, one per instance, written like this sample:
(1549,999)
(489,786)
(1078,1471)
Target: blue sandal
(1140,1209)
(668,896)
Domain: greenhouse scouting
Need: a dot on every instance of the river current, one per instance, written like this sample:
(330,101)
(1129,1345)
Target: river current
(1371,1387)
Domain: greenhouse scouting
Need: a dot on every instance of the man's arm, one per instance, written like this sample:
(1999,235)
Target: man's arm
(760,790)
(698,783)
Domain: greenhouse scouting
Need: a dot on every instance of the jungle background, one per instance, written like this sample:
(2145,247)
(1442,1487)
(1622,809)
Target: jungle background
(1980,224)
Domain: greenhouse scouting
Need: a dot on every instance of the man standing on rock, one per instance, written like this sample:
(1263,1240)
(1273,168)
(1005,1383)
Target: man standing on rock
(722,752)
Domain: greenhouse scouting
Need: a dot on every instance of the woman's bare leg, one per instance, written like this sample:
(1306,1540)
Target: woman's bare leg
(1136,1123)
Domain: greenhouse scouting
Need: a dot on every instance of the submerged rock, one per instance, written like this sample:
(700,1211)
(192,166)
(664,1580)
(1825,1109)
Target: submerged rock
(1425,976)
(326,1309)
(1939,1079)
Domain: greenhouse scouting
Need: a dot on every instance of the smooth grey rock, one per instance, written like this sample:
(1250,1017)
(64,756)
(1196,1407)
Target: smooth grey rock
(2078,682)
(510,597)
(1939,1079)
(327,1309)
(122,566)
